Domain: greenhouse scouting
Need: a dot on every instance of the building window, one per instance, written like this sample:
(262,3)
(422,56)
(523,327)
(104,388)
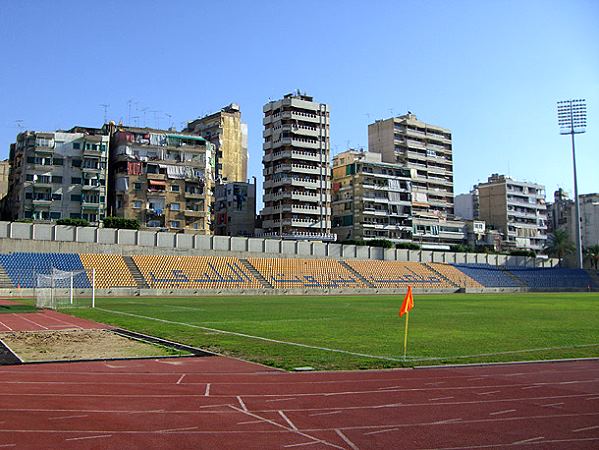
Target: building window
(175,188)
(29,177)
(137,186)
(137,204)
(75,180)
(175,207)
(57,179)
(103,147)
(75,215)
(175,224)
(76,146)
(75,197)
(56,196)
(55,215)
(76,163)
(58,162)
(28,195)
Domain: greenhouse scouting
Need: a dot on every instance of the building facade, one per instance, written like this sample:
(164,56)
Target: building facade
(235,209)
(162,178)
(297,179)
(371,199)
(229,135)
(58,175)
(516,209)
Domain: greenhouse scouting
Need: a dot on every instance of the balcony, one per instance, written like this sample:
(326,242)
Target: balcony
(192,213)
(42,201)
(195,195)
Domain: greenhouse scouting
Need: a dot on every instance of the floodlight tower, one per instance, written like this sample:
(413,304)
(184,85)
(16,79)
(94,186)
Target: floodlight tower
(572,119)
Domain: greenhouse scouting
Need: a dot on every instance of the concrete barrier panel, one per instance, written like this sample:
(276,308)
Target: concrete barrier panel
(222,243)
(414,255)
(470,258)
(426,256)
(165,240)
(288,248)
(362,252)
(256,245)
(42,232)
(65,233)
(377,253)
(303,249)
(4,229)
(349,251)
(389,254)
(127,237)
(319,249)
(201,242)
(184,240)
(107,235)
(402,254)
(146,238)
(438,257)
(334,250)
(21,230)
(239,244)
(272,246)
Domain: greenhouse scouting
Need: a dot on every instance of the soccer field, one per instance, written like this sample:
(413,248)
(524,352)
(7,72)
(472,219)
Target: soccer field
(362,332)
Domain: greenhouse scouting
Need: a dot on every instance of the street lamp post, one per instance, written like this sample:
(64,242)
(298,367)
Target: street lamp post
(572,119)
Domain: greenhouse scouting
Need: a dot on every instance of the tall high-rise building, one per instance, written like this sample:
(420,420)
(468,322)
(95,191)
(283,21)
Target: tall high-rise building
(371,199)
(162,178)
(235,209)
(58,175)
(228,133)
(516,209)
(297,182)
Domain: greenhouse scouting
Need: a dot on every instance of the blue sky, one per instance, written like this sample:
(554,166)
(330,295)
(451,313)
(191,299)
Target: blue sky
(491,71)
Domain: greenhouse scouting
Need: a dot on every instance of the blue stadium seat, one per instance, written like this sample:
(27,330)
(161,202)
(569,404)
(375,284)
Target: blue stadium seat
(22,268)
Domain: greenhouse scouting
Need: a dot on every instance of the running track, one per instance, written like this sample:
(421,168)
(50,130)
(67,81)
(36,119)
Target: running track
(216,402)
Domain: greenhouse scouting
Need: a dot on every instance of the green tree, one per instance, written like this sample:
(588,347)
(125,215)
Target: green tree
(560,245)
(592,253)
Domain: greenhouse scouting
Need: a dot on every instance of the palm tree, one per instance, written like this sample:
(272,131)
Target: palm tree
(560,245)
(592,253)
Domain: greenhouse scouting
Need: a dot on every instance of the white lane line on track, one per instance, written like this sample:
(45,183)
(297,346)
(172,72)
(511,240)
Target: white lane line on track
(7,445)
(381,431)
(247,422)
(440,398)
(505,411)
(215,406)
(280,399)
(389,387)
(503,444)
(278,425)
(550,405)
(593,398)
(578,430)
(436,383)
(68,417)
(9,329)
(48,316)
(89,437)
(31,321)
(207,391)
(181,378)
(177,429)
(301,444)
(324,413)
(534,386)
(487,393)
(346,439)
(286,419)
(241,403)
(526,441)
(443,422)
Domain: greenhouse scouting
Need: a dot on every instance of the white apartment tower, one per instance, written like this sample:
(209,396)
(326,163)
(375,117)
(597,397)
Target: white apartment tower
(297,180)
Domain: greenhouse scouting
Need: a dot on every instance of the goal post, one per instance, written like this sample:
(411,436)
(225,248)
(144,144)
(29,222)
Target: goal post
(65,289)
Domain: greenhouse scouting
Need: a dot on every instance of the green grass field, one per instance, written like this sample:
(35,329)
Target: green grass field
(455,328)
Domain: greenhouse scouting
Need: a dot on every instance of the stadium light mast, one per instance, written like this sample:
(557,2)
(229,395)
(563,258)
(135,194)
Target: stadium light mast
(572,119)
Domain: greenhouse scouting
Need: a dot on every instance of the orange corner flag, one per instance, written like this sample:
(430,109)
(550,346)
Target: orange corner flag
(408,302)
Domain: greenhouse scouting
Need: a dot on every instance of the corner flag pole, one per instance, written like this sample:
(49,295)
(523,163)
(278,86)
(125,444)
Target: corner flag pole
(405,335)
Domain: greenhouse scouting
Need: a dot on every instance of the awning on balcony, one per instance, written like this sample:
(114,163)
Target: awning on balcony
(157,183)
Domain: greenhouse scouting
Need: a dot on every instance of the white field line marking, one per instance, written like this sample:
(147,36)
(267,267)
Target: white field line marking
(286,419)
(181,378)
(302,444)
(280,399)
(242,404)
(440,398)
(89,437)
(325,413)
(276,341)
(178,429)
(346,439)
(487,393)
(585,429)
(505,411)
(278,425)
(207,391)
(538,438)
(9,329)
(67,417)
(31,321)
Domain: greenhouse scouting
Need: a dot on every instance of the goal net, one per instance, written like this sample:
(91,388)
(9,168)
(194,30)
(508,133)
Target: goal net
(64,289)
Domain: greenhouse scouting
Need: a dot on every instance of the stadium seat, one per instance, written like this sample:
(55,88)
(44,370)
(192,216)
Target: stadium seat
(22,268)
(110,270)
(396,274)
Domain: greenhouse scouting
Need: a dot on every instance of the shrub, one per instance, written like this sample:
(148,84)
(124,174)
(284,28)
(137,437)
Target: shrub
(74,222)
(121,222)
(407,246)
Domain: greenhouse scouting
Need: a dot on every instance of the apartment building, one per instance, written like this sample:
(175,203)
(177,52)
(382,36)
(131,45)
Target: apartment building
(516,209)
(229,135)
(162,178)
(371,199)
(235,209)
(4,171)
(56,175)
(297,180)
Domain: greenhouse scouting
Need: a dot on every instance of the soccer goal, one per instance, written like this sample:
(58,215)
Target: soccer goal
(65,289)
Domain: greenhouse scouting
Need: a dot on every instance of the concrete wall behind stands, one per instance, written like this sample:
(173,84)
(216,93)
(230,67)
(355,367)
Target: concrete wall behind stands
(27,237)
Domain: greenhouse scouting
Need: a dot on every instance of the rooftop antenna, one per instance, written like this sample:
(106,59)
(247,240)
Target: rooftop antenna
(144,109)
(19,124)
(105,106)
(391,110)
(170,122)
(156,118)
(129,110)
(135,120)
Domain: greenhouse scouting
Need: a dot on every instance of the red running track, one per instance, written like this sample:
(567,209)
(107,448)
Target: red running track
(222,403)
(45,320)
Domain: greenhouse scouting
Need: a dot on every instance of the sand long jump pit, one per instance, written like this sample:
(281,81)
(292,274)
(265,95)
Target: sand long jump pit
(78,344)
